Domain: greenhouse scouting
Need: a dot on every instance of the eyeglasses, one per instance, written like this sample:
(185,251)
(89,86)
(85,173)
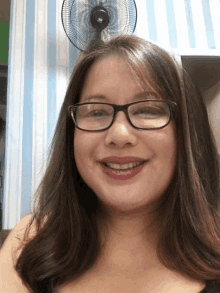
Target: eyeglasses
(147,114)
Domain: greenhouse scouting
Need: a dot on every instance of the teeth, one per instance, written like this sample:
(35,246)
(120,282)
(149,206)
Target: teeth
(124,166)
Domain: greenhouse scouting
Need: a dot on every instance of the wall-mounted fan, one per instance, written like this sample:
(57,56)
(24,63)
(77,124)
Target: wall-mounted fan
(88,21)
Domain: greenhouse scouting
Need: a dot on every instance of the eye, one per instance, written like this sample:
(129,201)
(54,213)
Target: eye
(97,113)
(148,111)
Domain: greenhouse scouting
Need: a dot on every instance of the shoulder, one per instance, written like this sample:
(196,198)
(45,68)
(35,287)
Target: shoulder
(18,232)
(7,259)
(16,235)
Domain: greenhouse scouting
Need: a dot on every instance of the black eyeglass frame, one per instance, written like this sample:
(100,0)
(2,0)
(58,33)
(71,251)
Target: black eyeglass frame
(172,107)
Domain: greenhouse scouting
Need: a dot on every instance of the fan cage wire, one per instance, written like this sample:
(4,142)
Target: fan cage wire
(81,33)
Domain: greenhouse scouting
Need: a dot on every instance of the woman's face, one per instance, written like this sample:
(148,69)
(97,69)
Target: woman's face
(112,78)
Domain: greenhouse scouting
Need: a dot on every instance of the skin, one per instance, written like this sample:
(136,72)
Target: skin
(131,237)
(125,201)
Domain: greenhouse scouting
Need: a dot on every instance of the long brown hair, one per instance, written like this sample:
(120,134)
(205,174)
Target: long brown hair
(67,244)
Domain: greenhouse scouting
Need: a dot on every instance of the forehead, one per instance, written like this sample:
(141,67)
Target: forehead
(112,74)
(115,65)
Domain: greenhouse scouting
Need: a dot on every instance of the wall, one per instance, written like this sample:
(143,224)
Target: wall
(205,71)
(4,30)
(4,33)
(40,61)
(212,97)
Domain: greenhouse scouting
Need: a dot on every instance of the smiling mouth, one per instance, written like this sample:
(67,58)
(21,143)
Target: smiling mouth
(123,167)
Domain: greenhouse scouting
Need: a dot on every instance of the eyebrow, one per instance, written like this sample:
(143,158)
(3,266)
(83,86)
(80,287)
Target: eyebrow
(140,96)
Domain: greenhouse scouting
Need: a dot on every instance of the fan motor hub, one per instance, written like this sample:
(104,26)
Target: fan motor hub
(99,18)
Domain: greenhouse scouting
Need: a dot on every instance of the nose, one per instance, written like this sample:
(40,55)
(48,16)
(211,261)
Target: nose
(121,133)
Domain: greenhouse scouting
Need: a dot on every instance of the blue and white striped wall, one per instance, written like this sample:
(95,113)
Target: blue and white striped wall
(41,59)
(185,27)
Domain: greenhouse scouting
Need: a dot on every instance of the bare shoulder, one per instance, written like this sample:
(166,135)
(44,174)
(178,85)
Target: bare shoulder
(9,280)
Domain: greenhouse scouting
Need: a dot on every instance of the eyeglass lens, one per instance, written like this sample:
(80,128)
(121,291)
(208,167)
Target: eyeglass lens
(147,115)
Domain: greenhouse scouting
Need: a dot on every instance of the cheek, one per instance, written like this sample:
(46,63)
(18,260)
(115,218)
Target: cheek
(79,151)
(167,153)
(84,147)
(170,156)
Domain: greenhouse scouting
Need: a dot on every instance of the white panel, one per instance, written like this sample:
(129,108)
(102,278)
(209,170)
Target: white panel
(197,52)
(181,24)
(177,58)
(142,29)
(162,25)
(199,24)
(39,93)
(215,14)
(13,169)
(62,58)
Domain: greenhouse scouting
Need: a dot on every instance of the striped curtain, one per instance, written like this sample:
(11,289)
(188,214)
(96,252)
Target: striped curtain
(185,27)
(41,59)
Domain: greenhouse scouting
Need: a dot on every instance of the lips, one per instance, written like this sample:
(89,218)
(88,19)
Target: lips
(122,174)
(122,160)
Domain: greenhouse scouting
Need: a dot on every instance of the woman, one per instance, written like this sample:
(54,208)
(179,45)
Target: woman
(130,199)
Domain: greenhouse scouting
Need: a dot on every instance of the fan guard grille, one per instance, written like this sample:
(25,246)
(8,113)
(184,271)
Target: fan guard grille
(116,16)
